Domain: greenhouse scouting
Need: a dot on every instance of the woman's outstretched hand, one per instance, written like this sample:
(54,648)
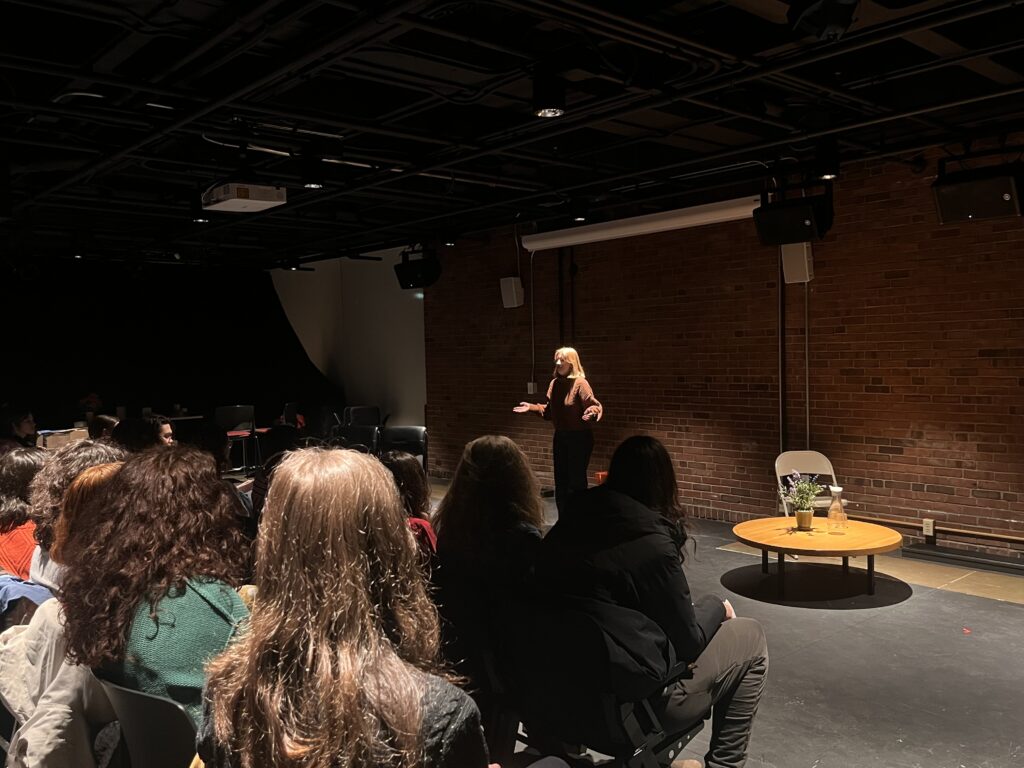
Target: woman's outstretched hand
(593,412)
(523,408)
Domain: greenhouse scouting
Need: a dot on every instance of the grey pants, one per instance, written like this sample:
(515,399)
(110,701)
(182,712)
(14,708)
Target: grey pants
(728,678)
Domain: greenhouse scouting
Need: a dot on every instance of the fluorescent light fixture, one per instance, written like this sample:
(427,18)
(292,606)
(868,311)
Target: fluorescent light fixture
(682,218)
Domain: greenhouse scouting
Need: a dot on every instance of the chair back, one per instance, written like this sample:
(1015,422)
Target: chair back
(234,418)
(409,439)
(806,463)
(159,732)
(365,438)
(362,415)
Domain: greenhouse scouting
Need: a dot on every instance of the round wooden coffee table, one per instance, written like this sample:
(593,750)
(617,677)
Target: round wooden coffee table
(779,534)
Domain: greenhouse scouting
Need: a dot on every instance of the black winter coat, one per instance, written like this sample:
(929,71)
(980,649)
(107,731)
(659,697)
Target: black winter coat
(610,547)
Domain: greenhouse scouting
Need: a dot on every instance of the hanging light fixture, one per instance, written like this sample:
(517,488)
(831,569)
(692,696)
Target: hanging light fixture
(312,172)
(548,95)
(826,163)
(199,216)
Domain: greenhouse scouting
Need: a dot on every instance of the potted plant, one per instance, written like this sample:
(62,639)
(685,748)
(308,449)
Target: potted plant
(800,492)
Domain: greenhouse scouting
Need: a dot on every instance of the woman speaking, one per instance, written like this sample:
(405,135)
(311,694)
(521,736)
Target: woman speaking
(571,406)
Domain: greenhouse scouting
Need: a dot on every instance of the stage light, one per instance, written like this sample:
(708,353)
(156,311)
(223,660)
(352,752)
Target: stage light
(548,95)
(418,273)
(824,19)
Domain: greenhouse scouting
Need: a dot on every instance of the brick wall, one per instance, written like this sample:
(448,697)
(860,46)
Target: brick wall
(916,356)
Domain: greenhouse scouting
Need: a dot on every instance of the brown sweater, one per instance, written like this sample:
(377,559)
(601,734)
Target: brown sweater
(16,550)
(568,399)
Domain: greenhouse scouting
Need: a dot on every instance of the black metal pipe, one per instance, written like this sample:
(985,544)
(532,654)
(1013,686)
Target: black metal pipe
(349,41)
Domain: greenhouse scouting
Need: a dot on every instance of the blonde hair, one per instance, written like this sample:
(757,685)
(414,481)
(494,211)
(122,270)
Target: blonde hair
(572,357)
(82,490)
(328,672)
(492,491)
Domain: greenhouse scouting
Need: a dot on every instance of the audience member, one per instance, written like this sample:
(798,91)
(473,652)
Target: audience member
(149,597)
(47,496)
(621,543)
(339,664)
(101,426)
(414,489)
(488,535)
(61,710)
(17,428)
(141,433)
(17,468)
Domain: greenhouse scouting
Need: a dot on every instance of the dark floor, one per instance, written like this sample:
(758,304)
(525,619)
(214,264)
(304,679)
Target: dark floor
(913,676)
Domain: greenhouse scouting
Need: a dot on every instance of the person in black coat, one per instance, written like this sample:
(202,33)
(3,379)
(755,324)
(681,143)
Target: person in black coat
(621,543)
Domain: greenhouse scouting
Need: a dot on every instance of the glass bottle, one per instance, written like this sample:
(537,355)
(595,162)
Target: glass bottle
(836,513)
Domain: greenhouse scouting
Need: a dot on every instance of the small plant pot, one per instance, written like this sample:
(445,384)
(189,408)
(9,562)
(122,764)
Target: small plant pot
(804,518)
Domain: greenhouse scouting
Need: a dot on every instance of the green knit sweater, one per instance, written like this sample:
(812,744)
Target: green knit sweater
(166,654)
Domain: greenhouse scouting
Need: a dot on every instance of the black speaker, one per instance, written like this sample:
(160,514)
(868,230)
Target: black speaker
(418,273)
(796,220)
(982,193)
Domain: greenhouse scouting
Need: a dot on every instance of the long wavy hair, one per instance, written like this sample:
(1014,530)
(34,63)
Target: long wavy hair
(63,466)
(80,493)
(165,517)
(328,673)
(493,490)
(642,468)
(17,468)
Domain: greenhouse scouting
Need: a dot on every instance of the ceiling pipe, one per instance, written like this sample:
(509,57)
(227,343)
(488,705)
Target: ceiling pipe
(683,218)
(349,40)
(568,190)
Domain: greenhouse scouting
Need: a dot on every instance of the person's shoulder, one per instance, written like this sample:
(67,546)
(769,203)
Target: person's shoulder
(445,705)
(220,596)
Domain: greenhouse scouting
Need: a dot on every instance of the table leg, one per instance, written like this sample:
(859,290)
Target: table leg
(782,573)
(871,574)
(764,561)
(846,566)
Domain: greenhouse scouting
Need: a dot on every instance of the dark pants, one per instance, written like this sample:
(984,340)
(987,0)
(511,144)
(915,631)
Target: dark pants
(728,678)
(571,449)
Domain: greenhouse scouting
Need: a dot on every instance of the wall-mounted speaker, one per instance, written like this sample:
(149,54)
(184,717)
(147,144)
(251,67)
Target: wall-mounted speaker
(796,220)
(982,193)
(511,292)
(797,262)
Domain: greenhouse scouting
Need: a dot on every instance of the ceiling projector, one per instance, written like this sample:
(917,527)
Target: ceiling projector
(243,198)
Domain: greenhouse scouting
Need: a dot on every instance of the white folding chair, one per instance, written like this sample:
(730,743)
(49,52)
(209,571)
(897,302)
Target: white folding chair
(806,463)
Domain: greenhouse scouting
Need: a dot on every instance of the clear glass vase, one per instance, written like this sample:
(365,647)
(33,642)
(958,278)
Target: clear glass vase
(836,513)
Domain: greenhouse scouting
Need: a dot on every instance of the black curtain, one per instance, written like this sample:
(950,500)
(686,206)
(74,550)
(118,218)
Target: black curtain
(152,337)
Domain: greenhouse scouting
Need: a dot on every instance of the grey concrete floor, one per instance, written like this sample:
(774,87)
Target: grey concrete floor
(912,677)
(916,676)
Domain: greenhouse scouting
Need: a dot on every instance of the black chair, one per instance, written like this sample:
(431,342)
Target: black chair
(365,438)
(239,418)
(409,439)
(583,672)
(363,415)
(159,732)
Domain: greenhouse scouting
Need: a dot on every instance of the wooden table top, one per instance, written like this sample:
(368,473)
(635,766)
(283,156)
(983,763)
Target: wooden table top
(779,534)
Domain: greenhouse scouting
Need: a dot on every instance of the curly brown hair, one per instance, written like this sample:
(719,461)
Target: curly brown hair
(330,670)
(17,468)
(66,531)
(164,518)
(48,487)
